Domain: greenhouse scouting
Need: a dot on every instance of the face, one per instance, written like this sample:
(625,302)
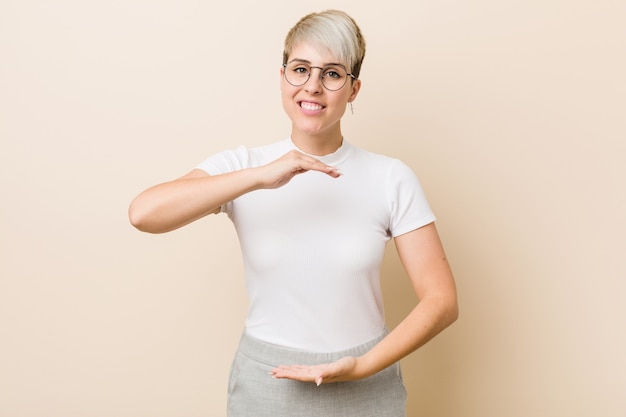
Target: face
(315,111)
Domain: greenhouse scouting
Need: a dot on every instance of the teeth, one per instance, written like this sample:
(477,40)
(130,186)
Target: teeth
(310,106)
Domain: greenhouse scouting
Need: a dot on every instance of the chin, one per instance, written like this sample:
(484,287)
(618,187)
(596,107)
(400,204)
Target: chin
(312,128)
(312,131)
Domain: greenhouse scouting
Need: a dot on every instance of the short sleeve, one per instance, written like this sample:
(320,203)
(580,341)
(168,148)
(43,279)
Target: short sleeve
(225,161)
(409,208)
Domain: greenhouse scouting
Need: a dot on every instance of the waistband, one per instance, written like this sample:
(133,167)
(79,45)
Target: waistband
(274,355)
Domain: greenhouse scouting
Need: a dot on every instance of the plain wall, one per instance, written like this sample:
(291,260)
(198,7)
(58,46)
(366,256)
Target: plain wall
(512,113)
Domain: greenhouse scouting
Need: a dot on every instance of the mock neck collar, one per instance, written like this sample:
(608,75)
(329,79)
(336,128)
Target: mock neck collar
(333,158)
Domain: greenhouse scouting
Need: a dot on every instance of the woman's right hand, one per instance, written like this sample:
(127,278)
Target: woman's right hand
(281,171)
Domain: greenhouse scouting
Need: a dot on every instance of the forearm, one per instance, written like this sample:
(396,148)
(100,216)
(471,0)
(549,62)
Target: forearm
(426,320)
(423,258)
(173,204)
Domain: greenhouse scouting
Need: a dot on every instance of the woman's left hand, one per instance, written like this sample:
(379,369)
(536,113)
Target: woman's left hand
(341,370)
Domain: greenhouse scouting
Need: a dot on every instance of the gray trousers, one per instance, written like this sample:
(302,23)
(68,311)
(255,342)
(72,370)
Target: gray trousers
(252,392)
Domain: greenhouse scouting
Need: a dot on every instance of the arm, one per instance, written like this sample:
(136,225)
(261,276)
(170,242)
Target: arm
(423,258)
(173,204)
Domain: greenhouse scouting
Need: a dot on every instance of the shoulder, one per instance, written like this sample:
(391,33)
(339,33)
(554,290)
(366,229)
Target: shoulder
(243,157)
(389,175)
(381,163)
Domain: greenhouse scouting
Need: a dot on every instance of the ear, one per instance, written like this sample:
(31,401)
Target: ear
(356,87)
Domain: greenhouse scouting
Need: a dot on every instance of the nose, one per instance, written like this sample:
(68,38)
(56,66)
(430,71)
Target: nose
(314,83)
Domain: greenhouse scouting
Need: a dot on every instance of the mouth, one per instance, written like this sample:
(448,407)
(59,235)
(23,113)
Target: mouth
(310,106)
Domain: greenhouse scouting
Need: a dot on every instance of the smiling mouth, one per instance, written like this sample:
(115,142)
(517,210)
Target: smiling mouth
(310,106)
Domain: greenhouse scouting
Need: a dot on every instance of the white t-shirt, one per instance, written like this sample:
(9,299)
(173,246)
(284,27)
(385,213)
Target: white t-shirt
(313,249)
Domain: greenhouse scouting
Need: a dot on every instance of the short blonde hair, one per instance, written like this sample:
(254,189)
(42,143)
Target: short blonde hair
(335,32)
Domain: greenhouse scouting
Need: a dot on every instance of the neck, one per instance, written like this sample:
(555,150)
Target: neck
(319,144)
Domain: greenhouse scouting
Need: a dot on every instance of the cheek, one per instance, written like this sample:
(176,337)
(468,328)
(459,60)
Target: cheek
(287,91)
(284,94)
(284,87)
(286,97)
(341,100)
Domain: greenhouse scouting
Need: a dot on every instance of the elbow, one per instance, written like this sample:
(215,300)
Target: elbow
(450,303)
(136,219)
(447,308)
(150,219)
(451,309)
(140,218)
(453,312)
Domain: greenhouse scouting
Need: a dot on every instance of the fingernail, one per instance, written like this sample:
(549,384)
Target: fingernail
(318,381)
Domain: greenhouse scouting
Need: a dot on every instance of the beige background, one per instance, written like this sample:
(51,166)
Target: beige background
(511,112)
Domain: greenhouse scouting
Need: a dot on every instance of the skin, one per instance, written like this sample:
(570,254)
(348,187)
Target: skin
(173,204)
(316,133)
(170,205)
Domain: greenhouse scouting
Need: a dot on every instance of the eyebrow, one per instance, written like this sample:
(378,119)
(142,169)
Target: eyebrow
(305,61)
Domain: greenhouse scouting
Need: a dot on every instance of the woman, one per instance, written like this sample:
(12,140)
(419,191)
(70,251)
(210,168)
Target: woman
(313,214)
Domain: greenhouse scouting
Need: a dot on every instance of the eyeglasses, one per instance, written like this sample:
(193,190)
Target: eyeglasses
(333,77)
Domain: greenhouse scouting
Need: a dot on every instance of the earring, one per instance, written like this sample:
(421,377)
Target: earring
(351,109)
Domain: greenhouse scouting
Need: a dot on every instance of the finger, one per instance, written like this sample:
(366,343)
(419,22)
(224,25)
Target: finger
(297,376)
(326,169)
(293,370)
(293,366)
(310,163)
(303,162)
(303,373)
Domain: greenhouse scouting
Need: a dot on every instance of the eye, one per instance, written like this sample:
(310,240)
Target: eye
(301,70)
(333,73)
